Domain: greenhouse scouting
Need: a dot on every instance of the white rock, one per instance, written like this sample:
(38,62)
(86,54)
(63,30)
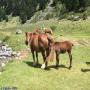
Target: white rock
(3,64)
(0,57)
(9,49)
(4,57)
(14,53)
(18,54)
(4,48)
(4,54)
(18,31)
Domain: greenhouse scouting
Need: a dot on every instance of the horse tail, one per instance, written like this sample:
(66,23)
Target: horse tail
(50,39)
(51,55)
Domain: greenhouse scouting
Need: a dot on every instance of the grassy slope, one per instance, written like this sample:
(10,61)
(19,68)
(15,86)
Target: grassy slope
(26,77)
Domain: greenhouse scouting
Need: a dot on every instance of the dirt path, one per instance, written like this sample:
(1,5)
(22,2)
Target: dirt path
(24,54)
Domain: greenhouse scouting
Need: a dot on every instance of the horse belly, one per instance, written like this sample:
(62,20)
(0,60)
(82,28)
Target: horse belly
(62,50)
(43,44)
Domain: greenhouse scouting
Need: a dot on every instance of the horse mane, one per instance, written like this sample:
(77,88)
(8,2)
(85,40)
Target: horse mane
(46,30)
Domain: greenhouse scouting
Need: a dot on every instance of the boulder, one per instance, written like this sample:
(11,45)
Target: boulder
(18,31)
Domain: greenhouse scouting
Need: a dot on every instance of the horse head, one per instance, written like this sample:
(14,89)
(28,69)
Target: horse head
(28,36)
(46,30)
(38,30)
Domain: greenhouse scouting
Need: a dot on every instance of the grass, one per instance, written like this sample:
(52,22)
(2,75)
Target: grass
(26,77)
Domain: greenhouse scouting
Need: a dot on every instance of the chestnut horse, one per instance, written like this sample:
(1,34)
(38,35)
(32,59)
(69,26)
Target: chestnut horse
(38,30)
(49,31)
(38,43)
(46,30)
(59,48)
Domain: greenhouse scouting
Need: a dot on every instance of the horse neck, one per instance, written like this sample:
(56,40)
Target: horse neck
(34,40)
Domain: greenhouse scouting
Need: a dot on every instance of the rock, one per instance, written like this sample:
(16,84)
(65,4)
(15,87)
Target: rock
(18,31)
(3,64)
(76,18)
(18,54)
(4,48)
(14,53)
(6,55)
(0,57)
(17,58)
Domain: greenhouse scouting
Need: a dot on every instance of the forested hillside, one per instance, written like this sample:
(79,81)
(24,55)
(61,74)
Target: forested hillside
(25,9)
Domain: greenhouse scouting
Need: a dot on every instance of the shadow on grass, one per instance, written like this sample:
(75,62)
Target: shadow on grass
(60,66)
(31,64)
(85,70)
(48,68)
(37,66)
(88,63)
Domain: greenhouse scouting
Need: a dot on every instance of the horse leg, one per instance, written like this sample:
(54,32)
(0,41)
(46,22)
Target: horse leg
(70,57)
(33,58)
(46,62)
(37,58)
(44,56)
(57,59)
(47,52)
(44,59)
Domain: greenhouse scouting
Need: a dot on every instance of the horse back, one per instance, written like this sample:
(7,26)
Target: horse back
(62,47)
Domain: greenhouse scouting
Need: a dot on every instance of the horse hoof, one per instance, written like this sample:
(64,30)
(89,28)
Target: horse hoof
(43,66)
(56,67)
(70,67)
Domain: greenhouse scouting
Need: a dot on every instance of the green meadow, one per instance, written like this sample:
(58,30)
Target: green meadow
(22,74)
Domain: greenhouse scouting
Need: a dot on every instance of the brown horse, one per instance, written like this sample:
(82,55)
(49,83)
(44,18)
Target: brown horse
(60,48)
(49,31)
(38,43)
(46,30)
(38,30)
